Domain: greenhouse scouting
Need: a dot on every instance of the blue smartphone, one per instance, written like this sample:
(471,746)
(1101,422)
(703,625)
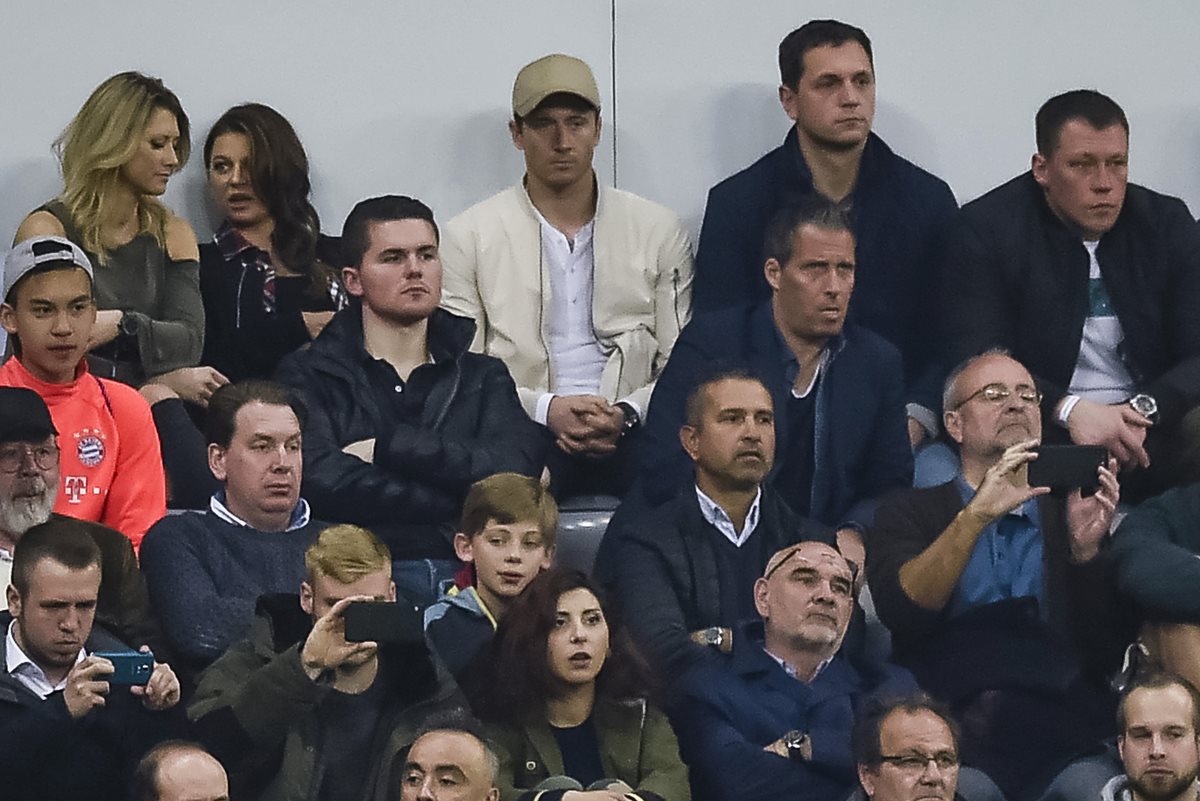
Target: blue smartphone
(129,667)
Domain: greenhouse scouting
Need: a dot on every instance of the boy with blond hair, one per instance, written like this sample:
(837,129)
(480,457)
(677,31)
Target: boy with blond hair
(507,536)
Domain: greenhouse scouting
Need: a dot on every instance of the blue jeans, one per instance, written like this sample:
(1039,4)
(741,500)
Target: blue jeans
(421,580)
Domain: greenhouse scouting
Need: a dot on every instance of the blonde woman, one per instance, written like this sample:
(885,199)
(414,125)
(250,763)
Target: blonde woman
(117,155)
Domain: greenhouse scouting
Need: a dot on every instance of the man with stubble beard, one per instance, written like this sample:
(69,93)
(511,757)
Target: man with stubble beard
(992,589)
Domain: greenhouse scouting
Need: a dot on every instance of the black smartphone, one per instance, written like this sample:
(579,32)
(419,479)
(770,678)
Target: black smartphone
(129,667)
(383,621)
(1065,467)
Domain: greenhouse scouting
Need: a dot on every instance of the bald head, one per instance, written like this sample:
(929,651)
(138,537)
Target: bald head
(805,598)
(180,771)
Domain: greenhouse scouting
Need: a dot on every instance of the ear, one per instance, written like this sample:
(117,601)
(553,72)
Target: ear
(866,777)
(14,601)
(517,133)
(547,559)
(493,795)
(787,99)
(216,461)
(463,549)
(689,438)
(771,271)
(599,126)
(8,318)
(761,597)
(1120,737)
(1041,169)
(952,422)
(350,280)
(391,596)
(306,597)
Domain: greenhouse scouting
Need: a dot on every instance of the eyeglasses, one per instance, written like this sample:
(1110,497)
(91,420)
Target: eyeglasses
(916,762)
(998,393)
(13,456)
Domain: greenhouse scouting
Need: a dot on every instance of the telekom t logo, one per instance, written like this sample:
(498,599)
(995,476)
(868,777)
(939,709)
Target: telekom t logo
(75,487)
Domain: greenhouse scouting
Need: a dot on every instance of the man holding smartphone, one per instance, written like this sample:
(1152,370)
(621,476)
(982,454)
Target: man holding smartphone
(67,730)
(991,587)
(298,704)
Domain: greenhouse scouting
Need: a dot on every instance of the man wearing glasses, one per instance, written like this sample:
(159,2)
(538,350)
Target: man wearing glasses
(28,482)
(992,589)
(772,720)
(112,470)
(907,749)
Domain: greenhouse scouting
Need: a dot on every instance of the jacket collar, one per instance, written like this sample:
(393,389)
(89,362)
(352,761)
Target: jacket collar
(752,663)
(876,163)
(613,721)
(342,340)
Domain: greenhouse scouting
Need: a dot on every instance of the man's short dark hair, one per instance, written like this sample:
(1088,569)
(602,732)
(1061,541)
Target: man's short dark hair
(567,100)
(1097,110)
(61,539)
(144,785)
(228,400)
(868,728)
(696,399)
(356,232)
(1158,680)
(816,33)
(781,230)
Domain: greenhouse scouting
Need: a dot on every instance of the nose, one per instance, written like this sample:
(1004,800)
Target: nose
(561,137)
(1157,750)
(69,623)
(62,325)
(170,156)
(426,791)
(578,632)
(1105,179)
(239,175)
(850,95)
(932,774)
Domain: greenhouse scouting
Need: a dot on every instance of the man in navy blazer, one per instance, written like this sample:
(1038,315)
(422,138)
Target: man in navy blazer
(774,719)
(838,390)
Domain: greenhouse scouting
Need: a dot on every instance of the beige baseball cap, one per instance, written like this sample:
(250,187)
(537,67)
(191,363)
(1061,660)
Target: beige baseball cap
(549,75)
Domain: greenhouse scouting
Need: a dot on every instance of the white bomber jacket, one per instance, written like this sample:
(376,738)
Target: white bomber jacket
(641,297)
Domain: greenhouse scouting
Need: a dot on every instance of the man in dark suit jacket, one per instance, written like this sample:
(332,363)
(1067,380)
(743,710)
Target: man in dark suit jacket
(685,572)
(993,591)
(838,390)
(1093,283)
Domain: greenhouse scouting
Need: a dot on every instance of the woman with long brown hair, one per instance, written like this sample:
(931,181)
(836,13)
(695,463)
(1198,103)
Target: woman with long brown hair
(564,695)
(266,280)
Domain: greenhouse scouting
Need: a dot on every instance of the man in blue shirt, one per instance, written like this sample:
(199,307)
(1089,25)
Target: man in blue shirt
(992,588)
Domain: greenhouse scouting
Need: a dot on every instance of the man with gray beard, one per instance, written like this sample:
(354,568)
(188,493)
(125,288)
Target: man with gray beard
(28,484)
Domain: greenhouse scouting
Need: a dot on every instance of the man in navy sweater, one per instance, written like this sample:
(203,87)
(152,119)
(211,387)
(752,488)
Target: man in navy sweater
(205,570)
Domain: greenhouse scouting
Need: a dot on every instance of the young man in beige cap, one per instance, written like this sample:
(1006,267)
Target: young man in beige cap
(608,272)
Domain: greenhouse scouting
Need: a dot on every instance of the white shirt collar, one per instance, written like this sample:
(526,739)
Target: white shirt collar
(717,517)
(23,669)
(300,515)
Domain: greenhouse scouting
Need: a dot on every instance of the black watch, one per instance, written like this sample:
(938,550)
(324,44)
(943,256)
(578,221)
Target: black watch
(1145,405)
(128,326)
(799,746)
(632,418)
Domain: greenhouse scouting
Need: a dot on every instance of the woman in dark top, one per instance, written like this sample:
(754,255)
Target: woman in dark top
(564,696)
(267,290)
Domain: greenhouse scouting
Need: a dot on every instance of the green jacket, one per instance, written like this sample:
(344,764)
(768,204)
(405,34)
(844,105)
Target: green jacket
(637,746)
(256,710)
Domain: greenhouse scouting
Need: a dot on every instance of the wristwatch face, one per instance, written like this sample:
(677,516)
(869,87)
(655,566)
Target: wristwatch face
(713,636)
(1144,404)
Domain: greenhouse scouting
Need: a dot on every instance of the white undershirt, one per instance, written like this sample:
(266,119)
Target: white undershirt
(5,575)
(1100,373)
(576,358)
(22,668)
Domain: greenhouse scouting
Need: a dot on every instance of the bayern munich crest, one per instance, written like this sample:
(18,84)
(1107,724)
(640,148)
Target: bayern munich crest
(90,450)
